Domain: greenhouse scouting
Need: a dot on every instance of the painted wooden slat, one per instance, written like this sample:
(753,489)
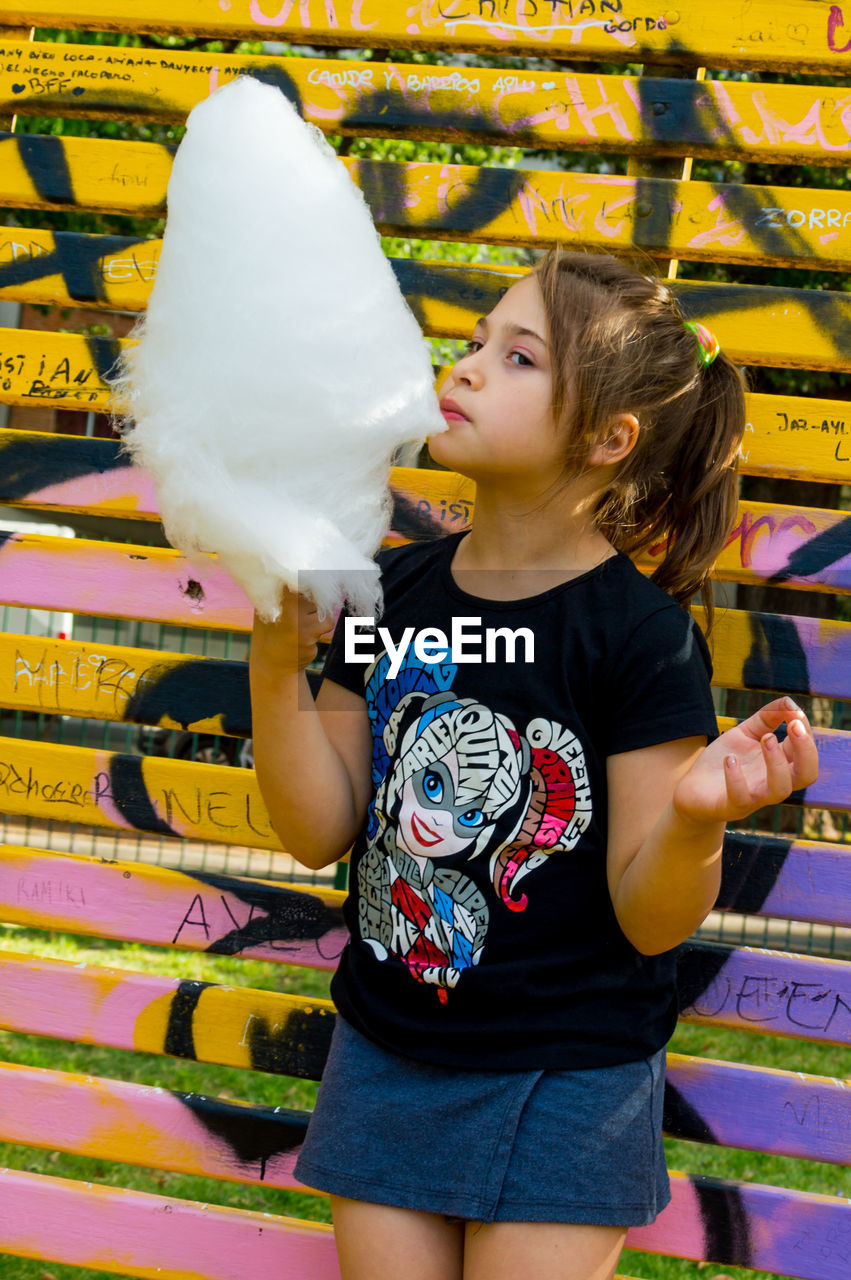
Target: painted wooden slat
(152,1127)
(135,1233)
(794,328)
(121,580)
(698,221)
(789,35)
(207,911)
(790,654)
(135,686)
(62,370)
(786,546)
(747,1225)
(803,548)
(788,436)
(784,1112)
(786,878)
(120,1009)
(191,910)
(760,1109)
(746,988)
(73,473)
(105,1228)
(768,991)
(133,793)
(552,108)
(789,328)
(787,653)
(798,437)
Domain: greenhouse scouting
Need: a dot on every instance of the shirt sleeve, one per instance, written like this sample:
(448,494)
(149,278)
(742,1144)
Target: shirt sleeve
(352,674)
(348,674)
(661,690)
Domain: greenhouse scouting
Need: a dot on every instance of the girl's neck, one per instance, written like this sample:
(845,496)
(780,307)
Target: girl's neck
(521,549)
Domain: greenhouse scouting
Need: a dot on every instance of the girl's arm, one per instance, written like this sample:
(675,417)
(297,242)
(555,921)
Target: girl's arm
(312,758)
(668,806)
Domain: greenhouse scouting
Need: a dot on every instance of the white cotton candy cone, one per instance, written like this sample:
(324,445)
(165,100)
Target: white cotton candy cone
(278,367)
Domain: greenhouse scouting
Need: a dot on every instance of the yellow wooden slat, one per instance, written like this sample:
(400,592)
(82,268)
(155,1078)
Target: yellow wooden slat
(797,437)
(99,681)
(102,170)
(103,789)
(547,108)
(796,33)
(698,221)
(754,326)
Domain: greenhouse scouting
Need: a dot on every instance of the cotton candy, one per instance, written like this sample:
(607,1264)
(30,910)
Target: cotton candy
(278,368)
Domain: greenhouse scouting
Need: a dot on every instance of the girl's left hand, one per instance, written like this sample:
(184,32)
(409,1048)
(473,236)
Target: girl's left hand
(748,768)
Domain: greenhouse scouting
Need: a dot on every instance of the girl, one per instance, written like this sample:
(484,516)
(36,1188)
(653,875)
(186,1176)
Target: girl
(536,815)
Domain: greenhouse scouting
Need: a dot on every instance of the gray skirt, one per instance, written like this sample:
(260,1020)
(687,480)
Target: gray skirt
(489,1146)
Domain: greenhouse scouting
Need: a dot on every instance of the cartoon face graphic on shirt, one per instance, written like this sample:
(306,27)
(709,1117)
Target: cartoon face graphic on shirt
(431,823)
(461,784)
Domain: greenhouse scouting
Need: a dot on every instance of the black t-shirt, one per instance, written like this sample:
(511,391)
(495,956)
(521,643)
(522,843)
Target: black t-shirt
(482,931)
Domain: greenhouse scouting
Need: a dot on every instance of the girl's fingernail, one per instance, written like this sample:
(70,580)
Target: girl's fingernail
(796,729)
(790,705)
(769,742)
(731,762)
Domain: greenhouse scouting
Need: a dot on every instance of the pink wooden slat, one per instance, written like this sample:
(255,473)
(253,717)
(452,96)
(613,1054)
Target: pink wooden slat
(234,1026)
(763,1110)
(105,578)
(743,1224)
(193,911)
(155,1238)
(807,549)
(157,1128)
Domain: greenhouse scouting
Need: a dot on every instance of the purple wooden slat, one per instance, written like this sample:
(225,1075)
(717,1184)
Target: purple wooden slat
(758,990)
(832,789)
(786,878)
(787,1113)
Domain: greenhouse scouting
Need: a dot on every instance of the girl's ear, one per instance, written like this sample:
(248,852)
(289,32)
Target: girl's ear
(621,435)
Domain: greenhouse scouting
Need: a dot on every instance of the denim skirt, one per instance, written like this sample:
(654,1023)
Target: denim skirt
(489,1146)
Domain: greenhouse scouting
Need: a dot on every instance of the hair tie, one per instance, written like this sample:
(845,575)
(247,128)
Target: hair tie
(707,343)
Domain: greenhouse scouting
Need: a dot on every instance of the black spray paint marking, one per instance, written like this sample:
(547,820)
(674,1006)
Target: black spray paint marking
(46,165)
(254,1135)
(32,464)
(179,1039)
(296,1046)
(752,866)
(286,915)
(192,691)
(681,1119)
(724,1215)
(130,796)
(818,553)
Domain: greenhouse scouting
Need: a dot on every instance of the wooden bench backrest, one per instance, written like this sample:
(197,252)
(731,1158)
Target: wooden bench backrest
(660,121)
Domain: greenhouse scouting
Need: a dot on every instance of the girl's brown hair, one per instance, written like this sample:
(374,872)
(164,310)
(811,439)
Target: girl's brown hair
(618,344)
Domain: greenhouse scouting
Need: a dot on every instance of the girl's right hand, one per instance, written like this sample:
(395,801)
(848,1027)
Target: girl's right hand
(289,644)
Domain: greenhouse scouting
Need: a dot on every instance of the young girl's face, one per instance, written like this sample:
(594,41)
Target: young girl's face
(497,399)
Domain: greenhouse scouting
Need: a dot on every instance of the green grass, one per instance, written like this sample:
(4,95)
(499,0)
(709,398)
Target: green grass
(258,1087)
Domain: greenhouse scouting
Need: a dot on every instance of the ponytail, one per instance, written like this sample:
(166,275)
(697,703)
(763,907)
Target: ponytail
(619,344)
(704,487)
